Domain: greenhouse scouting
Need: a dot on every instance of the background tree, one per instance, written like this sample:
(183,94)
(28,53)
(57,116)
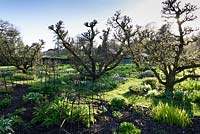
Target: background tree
(87,56)
(128,36)
(169,52)
(13,50)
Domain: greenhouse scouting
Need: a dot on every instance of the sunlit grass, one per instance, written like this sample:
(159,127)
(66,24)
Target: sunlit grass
(122,89)
(6,68)
(140,101)
(196,109)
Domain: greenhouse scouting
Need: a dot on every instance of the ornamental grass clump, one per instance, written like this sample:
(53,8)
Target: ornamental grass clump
(171,115)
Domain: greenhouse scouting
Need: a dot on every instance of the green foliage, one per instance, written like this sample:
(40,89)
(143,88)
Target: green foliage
(128,128)
(118,103)
(104,84)
(81,113)
(153,93)
(123,70)
(179,95)
(7,68)
(145,87)
(135,89)
(117,114)
(57,111)
(171,115)
(34,97)
(22,76)
(48,114)
(107,84)
(19,111)
(16,120)
(68,69)
(16,117)
(47,89)
(190,85)
(143,67)
(140,89)
(5,102)
(5,91)
(193,96)
(152,82)
(6,126)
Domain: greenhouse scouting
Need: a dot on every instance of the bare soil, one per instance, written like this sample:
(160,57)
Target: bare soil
(105,124)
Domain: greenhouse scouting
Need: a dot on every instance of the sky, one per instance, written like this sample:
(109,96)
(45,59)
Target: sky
(32,17)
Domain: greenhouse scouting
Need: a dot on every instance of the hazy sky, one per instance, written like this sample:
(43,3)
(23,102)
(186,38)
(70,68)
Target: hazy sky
(32,17)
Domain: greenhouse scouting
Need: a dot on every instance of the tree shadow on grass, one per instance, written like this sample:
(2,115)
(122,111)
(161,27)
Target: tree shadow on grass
(87,87)
(138,99)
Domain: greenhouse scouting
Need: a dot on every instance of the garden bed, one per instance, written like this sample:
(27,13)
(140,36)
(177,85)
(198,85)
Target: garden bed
(105,124)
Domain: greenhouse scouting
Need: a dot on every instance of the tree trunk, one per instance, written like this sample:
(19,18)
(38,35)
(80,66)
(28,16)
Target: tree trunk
(169,86)
(24,71)
(94,77)
(137,64)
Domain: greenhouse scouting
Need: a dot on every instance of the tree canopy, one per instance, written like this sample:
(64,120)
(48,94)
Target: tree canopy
(13,50)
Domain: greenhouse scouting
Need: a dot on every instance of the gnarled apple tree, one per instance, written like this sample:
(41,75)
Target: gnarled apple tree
(89,57)
(13,50)
(170,51)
